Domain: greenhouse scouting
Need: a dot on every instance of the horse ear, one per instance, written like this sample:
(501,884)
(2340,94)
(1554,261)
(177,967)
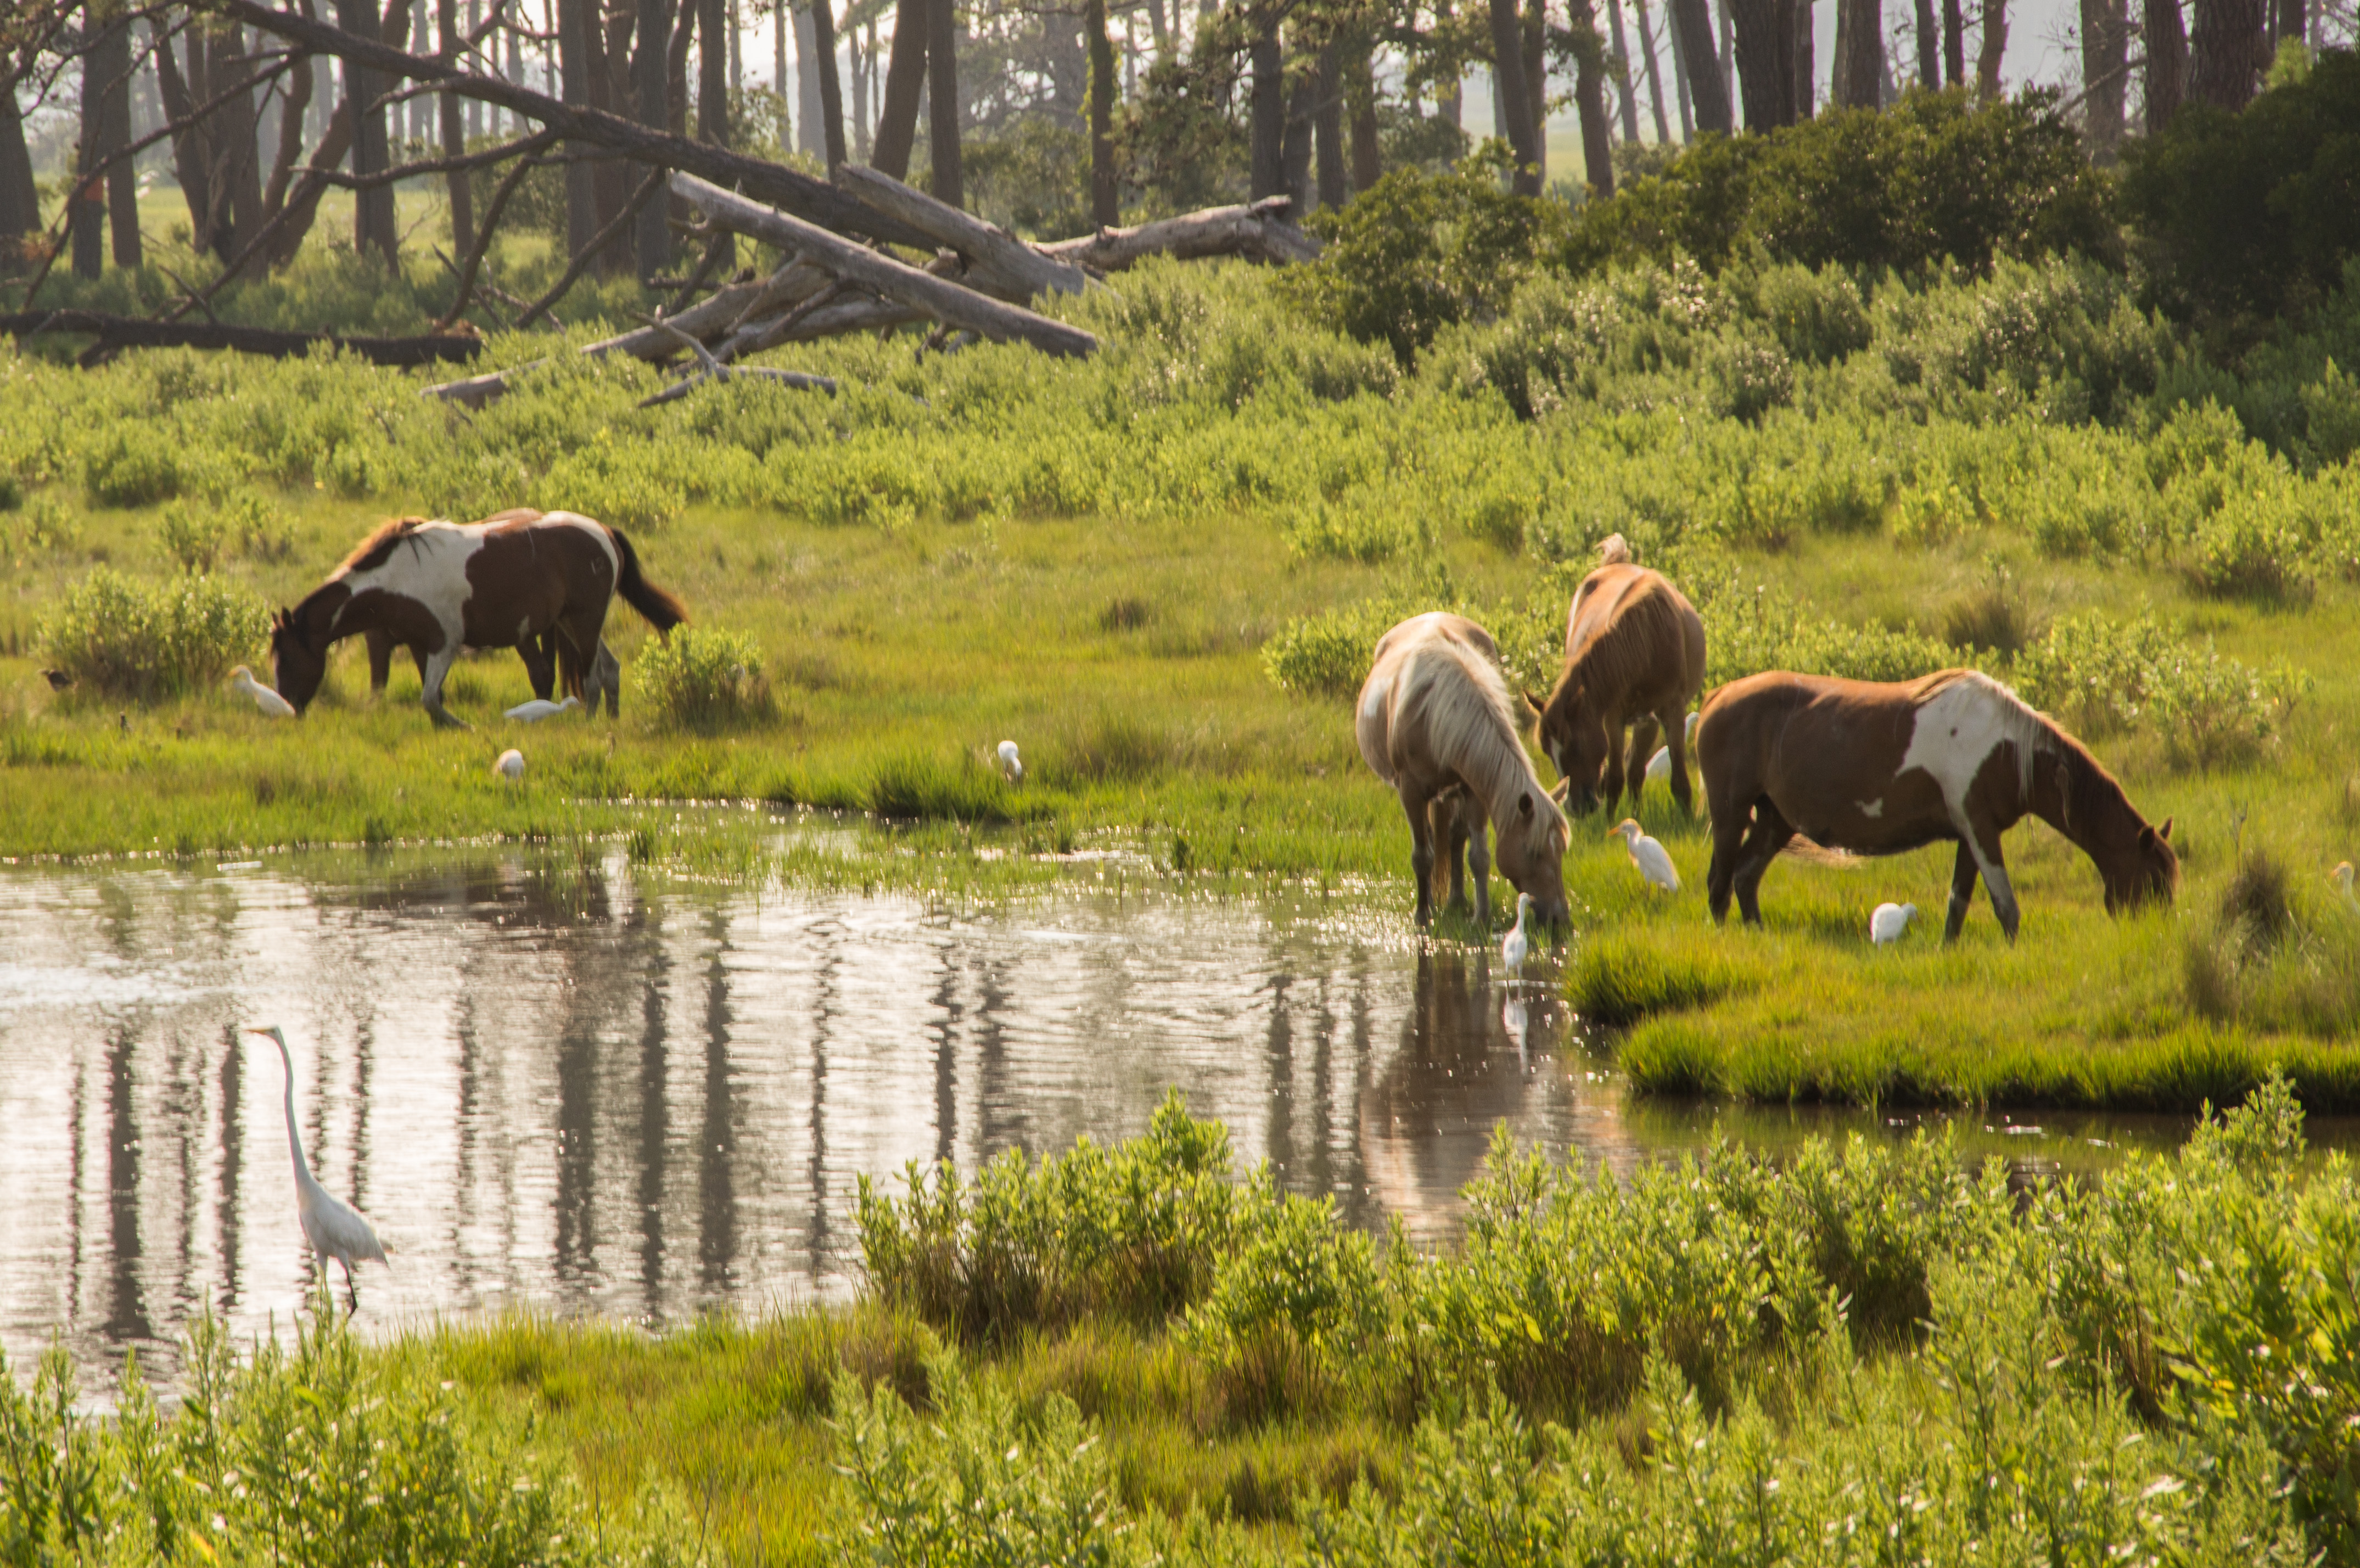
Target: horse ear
(2163,832)
(1539,708)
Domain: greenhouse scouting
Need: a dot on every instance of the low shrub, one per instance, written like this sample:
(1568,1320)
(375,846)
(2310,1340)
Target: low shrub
(40,528)
(2102,676)
(699,677)
(193,535)
(121,637)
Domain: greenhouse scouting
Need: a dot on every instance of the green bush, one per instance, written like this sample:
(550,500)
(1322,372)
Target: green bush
(2102,676)
(702,679)
(193,535)
(42,528)
(119,637)
(133,465)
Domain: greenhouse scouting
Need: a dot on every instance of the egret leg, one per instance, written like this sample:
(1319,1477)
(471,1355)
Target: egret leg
(352,1296)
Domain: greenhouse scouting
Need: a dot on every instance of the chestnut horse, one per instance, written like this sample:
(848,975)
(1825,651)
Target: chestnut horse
(1634,656)
(1879,768)
(522,580)
(1434,721)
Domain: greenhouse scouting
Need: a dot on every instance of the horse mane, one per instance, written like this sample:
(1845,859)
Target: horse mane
(1623,653)
(1470,723)
(373,550)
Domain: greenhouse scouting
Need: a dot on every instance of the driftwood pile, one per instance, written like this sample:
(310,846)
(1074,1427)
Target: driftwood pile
(979,283)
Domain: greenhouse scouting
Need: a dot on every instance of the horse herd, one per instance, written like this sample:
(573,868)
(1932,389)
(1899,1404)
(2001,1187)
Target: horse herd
(1864,767)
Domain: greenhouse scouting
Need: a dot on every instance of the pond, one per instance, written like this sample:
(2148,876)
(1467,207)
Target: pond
(574,1090)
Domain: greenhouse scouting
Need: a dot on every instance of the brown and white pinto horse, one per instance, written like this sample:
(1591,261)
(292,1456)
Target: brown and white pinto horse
(1879,768)
(1434,721)
(1633,654)
(514,581)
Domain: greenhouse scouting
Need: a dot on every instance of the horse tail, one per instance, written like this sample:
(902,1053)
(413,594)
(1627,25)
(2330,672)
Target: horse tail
(663,611)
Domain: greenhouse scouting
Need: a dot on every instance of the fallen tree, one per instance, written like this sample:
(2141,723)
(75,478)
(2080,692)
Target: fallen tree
(1256,232)
(115,334)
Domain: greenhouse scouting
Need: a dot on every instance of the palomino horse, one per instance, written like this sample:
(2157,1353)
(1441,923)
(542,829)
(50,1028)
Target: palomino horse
(510,582)
(1882,768)
(1633,654)
(1436,723)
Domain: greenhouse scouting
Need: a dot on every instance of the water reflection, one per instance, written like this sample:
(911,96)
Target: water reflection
(567,1091)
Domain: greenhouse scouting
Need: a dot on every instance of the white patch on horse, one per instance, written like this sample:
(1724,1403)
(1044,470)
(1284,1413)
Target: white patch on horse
(524,629)
(1871,810)
(427,564)
(1372,701)
(1958,729)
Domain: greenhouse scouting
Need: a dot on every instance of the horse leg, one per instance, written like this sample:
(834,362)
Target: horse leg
(1729,827)
(381,657)
(1675,735)
(1771,834)
(1995,882)
(606,677)
(436,667)
(1421,853)
(1444,821)
(540,655)
(1643,748)
(1611,789)
(1963,891)
(1474,820)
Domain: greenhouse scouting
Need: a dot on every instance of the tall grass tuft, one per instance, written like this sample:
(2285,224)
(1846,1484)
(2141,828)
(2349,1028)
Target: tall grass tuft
(703,678)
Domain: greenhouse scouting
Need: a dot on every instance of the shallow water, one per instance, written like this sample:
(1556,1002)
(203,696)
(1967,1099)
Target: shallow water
(573,1091)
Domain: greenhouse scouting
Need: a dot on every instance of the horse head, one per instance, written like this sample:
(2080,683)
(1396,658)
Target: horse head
(297,664)
(1531,854)
(2147,871)
(1573,738)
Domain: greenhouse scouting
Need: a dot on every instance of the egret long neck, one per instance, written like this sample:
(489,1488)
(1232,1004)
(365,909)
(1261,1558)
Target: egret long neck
(294,1138)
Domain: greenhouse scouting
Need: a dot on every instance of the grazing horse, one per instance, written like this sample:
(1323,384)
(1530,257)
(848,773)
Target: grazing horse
(1434,721)
(521,579)
(1634,656)
(1879,768)
(604,677)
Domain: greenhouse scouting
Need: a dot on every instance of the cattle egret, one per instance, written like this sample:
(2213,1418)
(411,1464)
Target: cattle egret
(2341,876)
(1513,946)
(1887,921)
(511,765)
(1010,764)
(540,708)
(334,1227)
(1659,767)
(269,702)
(1654,863)
(1513,1020)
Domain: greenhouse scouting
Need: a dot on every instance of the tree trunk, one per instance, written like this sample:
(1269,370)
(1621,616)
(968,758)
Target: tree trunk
(803,135)
(1623,79)
(1361,112)
(1859,55)
(2226,45)
(105,130)
(682,21)
(236,174)
(713,73)
(2167,63)
(943,99)
(1513,88)
(1302,103)
(20,199)
(1765,62)
(831,89)
(1680,74)
(1954,44)
(373,216)
(861,122)
(2286,21)
(1728,48)
(1994,49)
(1266,116)
(293,112)
(1106,198)
(905,75)
(1655,76)
(2105,70)
(1929,46)
(1707,83)
(1328,128)
(1589,99)
(1806,61)
(652,231)
(454,133)
(1536,83)
(188,160)
(575,28)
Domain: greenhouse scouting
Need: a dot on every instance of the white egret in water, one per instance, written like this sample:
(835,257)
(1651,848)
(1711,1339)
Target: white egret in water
(1887,921)
(1513,946)
(334,1227)
(1513,1019)
(269,702)
(2341,876)
(511,765)
(1659,767)
(540,708)
(1653,862)
(1010,764)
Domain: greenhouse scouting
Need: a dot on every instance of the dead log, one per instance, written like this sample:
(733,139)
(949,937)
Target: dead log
(118,333)
(997,262)
(893,280)
(1258,232)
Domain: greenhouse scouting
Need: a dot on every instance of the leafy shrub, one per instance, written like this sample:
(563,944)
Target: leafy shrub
(193,535)
(123,638)
(1816,318)
(40,528)
(699,677)
(2103,676)
(1292,1304)
(1328,655)
(1030,176)
(133,465)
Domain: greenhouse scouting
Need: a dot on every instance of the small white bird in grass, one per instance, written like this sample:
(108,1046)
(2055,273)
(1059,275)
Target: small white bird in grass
(1010,764)
(1887,921)
(511,764)
(2341,876)
(1653,862)
(1513,946)
(1659,767)
(540,708)
(269,702)
(334,1227)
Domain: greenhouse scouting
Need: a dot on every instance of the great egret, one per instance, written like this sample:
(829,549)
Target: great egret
(540,708)
(1654,863)
(1659,767)
(269,702)
(1010,764)
(1513,946)
(511,764)
(2341,876)
(1887,921)
(334,1227)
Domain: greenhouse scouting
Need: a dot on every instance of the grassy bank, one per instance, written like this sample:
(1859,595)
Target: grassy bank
(1126,1356)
